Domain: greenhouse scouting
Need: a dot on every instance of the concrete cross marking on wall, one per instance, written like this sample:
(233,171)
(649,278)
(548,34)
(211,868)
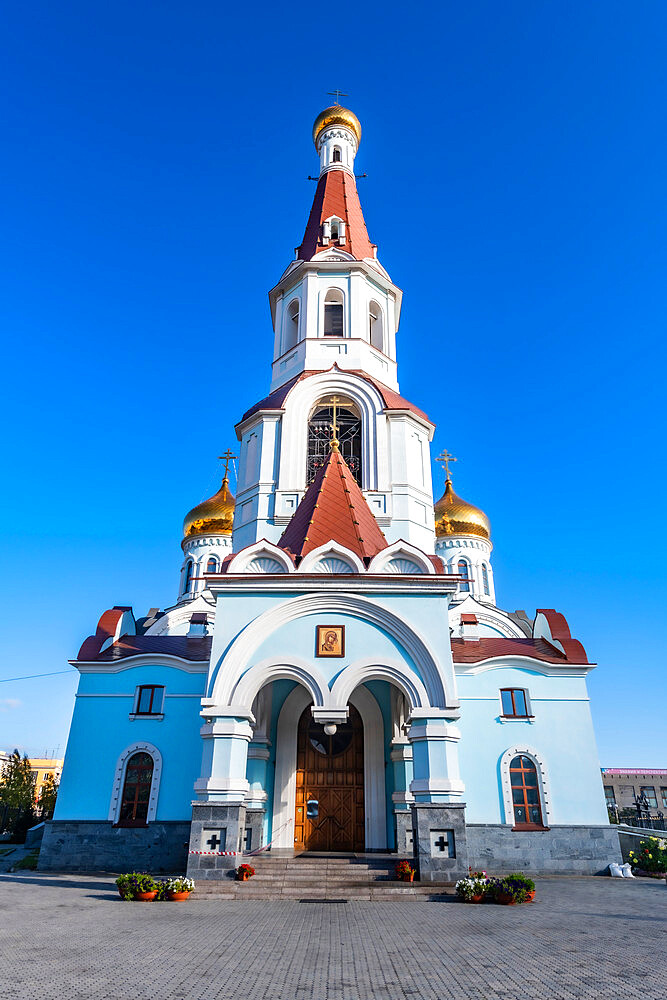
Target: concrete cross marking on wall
(213,842)
(441,843)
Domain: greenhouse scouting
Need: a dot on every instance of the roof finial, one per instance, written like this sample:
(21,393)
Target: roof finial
(445,458)
(227,458)
(337,94)
(334,426)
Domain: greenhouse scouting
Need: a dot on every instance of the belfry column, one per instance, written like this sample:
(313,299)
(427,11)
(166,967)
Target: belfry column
(218,819)
(438,814)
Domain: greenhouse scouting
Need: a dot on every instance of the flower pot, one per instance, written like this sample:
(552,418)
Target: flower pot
(242,877)
(179,897)
(145,897)
(505,899)
(531,895)
(477,899)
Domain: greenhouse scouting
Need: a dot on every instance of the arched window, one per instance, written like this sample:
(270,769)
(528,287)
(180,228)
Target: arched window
(334,231)
(375,333)
(187,576)
(212,565)
(464,572)
(319,437)
(292,326)
(333,313)
(485,579)
(525,793)
(136,791)
(337,154)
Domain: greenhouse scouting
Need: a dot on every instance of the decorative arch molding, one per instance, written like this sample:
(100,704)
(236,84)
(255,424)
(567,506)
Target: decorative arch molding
(298,407)
(180,615)
(263,553)
(526,663)
(295,669)
(284,793)
(397,673)
(119,780)
(324,558)
(542,779)
(234,664)
(388,560)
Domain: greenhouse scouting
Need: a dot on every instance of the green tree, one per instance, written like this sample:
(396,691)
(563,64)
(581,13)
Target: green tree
(17,794)
(47,796)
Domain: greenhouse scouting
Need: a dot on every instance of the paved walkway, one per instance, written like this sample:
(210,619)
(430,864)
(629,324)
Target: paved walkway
(72,938)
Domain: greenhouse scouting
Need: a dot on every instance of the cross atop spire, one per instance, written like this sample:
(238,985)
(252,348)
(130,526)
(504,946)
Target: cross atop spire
(445,457)
(337,94)
(227,458)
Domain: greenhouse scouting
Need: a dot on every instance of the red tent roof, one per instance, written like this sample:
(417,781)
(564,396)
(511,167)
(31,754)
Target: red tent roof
(333,509)
(337,195)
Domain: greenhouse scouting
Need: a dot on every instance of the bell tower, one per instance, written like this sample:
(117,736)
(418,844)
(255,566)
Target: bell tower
(335,314)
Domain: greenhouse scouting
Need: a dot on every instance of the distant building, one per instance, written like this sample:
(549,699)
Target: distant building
(41,767)
(625,786)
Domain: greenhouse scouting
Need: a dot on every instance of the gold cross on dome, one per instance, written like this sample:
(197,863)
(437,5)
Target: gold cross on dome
(334,426)
(337,94)
(445,458)
(227,458)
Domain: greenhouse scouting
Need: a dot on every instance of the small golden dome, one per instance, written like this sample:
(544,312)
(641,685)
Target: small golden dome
(336,115)
(454,516)
(214,516)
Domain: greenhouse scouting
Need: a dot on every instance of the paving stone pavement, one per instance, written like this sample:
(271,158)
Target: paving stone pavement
(70,937)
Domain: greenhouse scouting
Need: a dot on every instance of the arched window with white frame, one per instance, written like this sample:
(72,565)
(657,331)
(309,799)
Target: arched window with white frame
(348,422)
(334,304)
(291,337)
(485,579)
(187,576)
(463,568)
(136,786)
(375,326)
(337,155)
(525,789)
(212,565)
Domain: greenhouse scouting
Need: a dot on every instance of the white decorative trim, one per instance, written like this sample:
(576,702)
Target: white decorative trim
(388,560)
(394,671)
(316,560)
(284,793)
(255,554)
(142,660)
(119,779)
(524,663)
(542,780)
(262,673)
(438,676)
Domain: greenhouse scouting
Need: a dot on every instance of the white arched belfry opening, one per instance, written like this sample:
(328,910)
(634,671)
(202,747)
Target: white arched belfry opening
(284,793)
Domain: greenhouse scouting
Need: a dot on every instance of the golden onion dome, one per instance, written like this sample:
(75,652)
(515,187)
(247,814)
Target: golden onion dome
(336,115)
(454,516)
(214,516)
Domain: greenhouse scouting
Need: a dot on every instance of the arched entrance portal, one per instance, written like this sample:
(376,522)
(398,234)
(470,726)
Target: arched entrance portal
(330,786)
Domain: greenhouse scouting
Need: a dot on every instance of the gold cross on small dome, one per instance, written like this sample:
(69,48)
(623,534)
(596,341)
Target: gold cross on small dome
(337,94)
(445,458)
(227,458)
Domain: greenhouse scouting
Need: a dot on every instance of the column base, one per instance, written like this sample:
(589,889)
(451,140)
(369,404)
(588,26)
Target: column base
(254,828)
(440,844)
(403,829)
(216,839)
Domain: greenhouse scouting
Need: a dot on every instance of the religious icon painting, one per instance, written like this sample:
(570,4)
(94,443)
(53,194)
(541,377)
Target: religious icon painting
(330,640)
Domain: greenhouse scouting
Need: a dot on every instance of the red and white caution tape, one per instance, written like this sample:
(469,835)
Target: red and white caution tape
(219,853)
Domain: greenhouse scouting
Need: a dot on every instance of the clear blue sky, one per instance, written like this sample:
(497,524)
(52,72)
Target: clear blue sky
(153,164)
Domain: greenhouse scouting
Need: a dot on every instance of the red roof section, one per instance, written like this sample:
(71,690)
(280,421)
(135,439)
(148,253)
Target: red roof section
(333,509)
(464,651)
(337,195)
(195,648)
(391,399)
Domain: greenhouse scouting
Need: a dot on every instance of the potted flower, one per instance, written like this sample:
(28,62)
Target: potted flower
(473,887)
(527,883)
(405,872)
(650,857)
(137,886)
(178,889)
(508,891)
(244,872)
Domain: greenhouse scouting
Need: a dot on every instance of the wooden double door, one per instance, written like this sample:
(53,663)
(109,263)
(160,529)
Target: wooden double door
(330,786)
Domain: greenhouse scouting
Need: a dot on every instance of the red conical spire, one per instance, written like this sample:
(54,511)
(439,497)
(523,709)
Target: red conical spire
(336,195)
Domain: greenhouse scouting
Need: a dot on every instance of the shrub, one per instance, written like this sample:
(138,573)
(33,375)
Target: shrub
(475,884)
(182,884)
(404,869)
(651,855)
(29,863)
(509,886)
(245,870)
(525,881)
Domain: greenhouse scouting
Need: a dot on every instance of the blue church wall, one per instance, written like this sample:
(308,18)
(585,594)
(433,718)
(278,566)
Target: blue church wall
(561,732)
(102,729)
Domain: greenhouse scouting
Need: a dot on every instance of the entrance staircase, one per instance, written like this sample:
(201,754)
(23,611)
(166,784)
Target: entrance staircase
(322,877)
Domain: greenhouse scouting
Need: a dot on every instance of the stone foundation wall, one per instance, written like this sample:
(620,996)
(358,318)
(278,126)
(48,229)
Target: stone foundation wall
(567,850)
(94,845)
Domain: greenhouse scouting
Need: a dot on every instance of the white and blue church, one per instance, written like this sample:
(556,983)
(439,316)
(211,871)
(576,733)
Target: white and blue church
(336,674)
